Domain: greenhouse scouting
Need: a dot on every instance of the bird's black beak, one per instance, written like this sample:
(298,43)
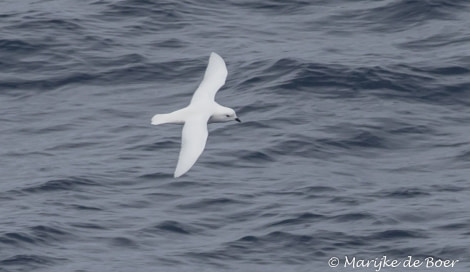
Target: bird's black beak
(238,120)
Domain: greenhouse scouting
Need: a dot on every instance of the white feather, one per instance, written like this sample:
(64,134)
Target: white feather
(214,79)
(196,115)
(193,141)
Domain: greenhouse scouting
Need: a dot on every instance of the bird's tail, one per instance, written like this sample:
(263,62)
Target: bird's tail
(173,118)
(158,119)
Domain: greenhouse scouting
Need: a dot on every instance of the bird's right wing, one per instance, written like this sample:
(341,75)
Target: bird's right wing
(193,141)
(214,79)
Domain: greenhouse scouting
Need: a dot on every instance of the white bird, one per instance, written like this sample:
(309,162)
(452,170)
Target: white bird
(201,110)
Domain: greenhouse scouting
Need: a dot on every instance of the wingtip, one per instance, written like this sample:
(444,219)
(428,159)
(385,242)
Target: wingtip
(179,171)
(177,175)
(215,55)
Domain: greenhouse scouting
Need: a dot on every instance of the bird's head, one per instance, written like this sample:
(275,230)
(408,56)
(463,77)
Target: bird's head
(224,114)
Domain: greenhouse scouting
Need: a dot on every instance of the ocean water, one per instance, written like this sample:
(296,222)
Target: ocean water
(354,142)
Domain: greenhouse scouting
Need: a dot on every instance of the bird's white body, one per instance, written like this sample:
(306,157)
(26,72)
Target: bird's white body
(198,113)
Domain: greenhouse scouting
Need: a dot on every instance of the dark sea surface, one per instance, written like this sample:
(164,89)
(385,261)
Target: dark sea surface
(355,139)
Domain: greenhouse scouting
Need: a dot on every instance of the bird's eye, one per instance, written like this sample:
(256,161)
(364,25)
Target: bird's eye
(227,115)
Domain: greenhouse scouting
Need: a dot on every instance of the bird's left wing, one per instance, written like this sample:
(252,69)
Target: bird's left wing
(214,79)
(193,141)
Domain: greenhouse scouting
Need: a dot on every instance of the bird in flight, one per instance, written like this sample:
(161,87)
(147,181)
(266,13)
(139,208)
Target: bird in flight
(201,110)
